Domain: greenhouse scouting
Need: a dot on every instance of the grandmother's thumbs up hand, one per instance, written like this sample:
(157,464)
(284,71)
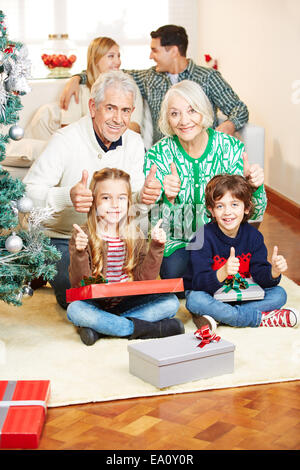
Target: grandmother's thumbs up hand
(172,184)
(254,172)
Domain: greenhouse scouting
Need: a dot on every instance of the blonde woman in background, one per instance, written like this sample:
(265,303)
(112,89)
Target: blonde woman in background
(103,55)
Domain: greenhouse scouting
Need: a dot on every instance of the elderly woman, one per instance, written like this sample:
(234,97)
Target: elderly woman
(185,160)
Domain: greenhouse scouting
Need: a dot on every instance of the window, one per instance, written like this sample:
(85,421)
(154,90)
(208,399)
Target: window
(129,23)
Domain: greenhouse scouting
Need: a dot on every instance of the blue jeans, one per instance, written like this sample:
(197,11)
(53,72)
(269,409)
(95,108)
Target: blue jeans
(61,282)
(175,265)
(151,308)
(240,314)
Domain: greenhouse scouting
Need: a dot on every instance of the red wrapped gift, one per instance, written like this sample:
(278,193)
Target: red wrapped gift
(119,289)
(23,406)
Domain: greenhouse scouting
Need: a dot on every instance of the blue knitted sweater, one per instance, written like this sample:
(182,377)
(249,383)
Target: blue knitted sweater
(210,249)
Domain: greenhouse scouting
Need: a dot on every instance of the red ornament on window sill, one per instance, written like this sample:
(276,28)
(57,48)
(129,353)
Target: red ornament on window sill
(213,63)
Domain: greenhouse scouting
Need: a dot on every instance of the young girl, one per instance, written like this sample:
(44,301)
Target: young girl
(111,245)
(232,246)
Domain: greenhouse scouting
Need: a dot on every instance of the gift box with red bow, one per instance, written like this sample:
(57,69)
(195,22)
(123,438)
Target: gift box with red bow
(119,289)
(182,358)
(23,406)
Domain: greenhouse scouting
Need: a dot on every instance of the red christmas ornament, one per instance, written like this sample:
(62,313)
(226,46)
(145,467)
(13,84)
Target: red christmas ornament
(215,66)
(207,57)
(9,49)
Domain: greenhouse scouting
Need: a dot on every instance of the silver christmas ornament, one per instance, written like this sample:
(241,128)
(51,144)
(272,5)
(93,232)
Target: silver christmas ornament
(27,291)
(19,296)
(3,98)
(16,132)
(14,207)
(2,57)
(24,204)
(13,243)
(18,71)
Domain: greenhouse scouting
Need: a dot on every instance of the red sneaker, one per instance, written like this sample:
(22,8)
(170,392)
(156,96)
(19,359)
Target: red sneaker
(284,317)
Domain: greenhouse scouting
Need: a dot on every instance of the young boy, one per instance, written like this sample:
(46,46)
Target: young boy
(232,246)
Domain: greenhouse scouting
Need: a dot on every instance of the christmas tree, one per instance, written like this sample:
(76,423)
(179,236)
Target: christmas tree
(25,251)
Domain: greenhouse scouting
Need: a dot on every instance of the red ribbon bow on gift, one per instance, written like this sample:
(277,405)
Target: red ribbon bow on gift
(206,336)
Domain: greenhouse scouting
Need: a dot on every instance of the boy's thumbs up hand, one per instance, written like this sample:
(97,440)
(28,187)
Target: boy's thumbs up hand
(233,263)
(172,184)
(230,268)
(81,196)
(279,264)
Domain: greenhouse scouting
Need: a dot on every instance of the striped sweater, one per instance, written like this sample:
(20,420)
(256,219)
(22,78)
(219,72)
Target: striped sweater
(116,252)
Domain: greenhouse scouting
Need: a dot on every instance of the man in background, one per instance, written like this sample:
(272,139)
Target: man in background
(168,49)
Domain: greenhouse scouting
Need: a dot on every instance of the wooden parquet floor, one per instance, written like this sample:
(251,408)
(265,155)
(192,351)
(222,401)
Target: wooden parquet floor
(260,417)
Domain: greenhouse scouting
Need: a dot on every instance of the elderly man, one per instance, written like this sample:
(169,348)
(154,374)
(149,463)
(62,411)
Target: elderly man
(168,49)
(60,177)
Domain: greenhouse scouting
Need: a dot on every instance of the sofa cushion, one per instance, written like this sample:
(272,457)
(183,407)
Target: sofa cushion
(22,153)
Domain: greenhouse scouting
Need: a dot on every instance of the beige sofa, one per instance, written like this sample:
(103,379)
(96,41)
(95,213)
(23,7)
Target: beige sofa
(21,154)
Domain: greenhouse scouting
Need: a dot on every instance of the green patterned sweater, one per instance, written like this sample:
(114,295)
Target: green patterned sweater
(223,154)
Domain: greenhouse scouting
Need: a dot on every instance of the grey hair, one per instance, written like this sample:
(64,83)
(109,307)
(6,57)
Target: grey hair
(115,78)
(195,96)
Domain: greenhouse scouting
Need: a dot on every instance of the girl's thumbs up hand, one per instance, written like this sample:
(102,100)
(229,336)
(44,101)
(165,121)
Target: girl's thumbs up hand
(158,234)
(81,238)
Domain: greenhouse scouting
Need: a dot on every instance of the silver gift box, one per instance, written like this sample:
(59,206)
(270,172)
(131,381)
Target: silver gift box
(178,359)
(253,292)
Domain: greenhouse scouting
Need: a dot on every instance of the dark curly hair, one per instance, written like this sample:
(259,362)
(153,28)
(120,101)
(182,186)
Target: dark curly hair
(238,186)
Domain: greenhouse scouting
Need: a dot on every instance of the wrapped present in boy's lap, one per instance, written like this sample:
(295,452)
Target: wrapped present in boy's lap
(237,288)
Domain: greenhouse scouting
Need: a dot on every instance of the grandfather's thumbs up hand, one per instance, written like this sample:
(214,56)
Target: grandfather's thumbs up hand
(81,196)
(254,173)
(172,184)
(152,187)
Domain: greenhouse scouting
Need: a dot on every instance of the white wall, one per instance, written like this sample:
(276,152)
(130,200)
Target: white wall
(257,45)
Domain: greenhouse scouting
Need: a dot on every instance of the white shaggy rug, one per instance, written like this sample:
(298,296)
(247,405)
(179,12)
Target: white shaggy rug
(38,342)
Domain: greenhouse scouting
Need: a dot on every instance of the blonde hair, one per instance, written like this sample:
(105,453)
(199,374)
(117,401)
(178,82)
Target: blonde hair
(197,99)
(129,229)
(96,50)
